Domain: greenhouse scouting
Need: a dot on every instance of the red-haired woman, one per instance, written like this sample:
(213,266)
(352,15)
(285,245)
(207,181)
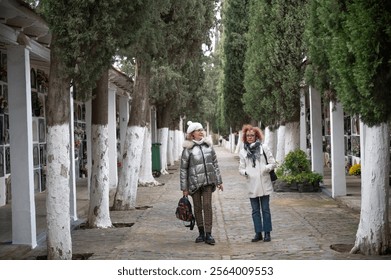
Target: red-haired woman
(253,165)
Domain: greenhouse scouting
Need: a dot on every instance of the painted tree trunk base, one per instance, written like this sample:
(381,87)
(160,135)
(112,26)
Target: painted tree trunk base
(373,233)
(126,194)
(59,242)
(99,210)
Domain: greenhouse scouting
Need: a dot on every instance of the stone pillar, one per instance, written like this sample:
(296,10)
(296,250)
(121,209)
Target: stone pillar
(72,179)
(338,177)
(89,147)
(316,131)
(303,123)
(21,140)
(112,128)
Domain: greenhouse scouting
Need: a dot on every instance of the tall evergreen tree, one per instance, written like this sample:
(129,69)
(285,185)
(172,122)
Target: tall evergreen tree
(359,54)
(178,77)
(85,35)
(147,42)
(274,61)
(235,21)
(258,99)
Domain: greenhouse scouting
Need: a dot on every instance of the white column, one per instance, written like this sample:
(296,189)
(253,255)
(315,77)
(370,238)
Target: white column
(316,131)
(112,128)
(21,139)
(338,177)
(303,123)
(363,129)
(72,179)
(89,147)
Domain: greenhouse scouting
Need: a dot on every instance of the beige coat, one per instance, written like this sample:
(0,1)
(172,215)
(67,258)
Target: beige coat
(258,177)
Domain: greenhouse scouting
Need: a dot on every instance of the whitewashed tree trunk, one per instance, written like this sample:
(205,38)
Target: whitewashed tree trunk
(126,195)
(146,179)
(280,155)
(59,242)
(170,148)
(240,143)
(177,147)
(99,210)
(373,234)
(271,140)
(181,139)
(292,136)
(163,140)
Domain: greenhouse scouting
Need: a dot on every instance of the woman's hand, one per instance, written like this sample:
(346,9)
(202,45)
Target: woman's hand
(220,187)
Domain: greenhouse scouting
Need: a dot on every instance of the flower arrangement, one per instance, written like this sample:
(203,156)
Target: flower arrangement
(355,170)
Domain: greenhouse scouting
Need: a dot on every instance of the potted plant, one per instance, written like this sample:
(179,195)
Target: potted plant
(296,172)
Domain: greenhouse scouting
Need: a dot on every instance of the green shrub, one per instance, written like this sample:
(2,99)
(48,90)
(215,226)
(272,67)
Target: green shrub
(296,168)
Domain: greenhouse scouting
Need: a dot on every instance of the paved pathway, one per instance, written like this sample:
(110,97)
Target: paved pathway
(305,226)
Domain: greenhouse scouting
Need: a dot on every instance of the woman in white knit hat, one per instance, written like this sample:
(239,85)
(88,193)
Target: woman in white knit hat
(199,177)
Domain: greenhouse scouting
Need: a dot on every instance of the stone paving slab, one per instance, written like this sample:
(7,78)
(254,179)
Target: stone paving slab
(305,226)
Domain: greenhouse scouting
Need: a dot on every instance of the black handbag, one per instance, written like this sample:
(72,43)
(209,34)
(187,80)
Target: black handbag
(273,175)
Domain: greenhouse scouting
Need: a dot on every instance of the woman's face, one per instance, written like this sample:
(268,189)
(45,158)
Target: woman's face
(198,134)
(250,136)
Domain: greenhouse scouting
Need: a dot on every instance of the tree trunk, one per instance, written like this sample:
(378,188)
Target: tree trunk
(280,154)
(292,136)
(373,233)
(163,116)
(271,140)
(99,210)
(59,242)
(170,148)
(126,194)
(163,139)
(146,179)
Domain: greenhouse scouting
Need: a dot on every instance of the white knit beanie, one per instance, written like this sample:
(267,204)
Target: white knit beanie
(193,126)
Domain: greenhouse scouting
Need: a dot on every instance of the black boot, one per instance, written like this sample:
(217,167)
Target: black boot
(267,237)
(257,237)
(209,239)
(201,237)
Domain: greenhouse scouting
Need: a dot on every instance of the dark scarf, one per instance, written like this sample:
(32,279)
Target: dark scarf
(253,151)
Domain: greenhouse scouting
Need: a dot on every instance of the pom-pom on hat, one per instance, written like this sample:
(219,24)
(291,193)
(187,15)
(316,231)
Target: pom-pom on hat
(193,126)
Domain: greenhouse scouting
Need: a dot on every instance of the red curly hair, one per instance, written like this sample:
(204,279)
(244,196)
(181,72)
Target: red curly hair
(257,131)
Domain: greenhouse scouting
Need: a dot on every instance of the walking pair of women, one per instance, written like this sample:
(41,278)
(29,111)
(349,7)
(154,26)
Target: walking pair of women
(200,176)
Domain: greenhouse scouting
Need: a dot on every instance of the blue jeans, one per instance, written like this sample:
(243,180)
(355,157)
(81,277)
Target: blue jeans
(264,222)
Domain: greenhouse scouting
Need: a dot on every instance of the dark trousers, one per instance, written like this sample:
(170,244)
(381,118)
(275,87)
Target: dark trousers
(202,200)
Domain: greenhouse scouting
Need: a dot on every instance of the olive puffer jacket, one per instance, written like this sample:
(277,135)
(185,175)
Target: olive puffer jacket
(199,166)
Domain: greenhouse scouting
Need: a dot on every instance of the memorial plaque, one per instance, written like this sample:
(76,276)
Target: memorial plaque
(36,155)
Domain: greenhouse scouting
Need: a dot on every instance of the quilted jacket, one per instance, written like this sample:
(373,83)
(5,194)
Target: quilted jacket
(199,166)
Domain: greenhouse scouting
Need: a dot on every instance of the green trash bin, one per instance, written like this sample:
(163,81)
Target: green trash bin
(156,166)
